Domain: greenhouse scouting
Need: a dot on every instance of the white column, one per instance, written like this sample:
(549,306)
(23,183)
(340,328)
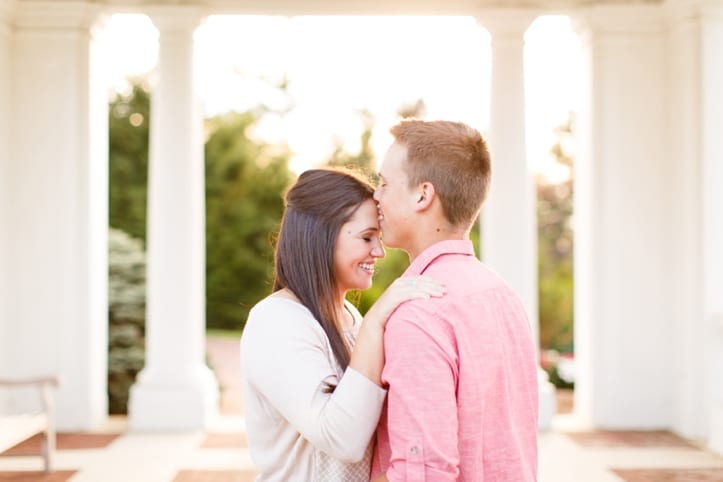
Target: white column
(623,288)
(4,174)
(58,222)
(697,116)
(689,418)
(175,390)
(712,150)
(509,234)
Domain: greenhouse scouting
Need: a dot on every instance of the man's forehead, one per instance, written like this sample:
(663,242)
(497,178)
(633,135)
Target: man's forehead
(394,159)
(397,149)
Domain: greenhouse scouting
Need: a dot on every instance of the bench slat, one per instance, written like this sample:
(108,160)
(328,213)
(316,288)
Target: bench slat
(16,428)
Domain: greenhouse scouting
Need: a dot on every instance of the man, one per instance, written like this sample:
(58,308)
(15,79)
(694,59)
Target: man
(461,369)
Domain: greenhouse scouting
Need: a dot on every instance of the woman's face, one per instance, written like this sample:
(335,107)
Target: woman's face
(358,246)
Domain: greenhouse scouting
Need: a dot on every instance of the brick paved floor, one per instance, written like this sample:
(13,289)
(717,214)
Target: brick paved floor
(670,475)
(215,476)
(65,441)
(36,476)
(630,438)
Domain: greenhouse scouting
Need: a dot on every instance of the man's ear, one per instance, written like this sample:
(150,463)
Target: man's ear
(425,195)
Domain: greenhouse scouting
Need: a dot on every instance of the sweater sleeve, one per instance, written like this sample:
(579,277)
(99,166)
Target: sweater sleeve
(285,356)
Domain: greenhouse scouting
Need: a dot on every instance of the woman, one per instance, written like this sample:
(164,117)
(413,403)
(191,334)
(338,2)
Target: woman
(311,403)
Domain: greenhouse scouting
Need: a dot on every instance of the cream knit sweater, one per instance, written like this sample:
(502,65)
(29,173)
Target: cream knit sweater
(296,431)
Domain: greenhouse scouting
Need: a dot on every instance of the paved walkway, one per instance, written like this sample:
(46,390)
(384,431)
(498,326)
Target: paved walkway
(220,454)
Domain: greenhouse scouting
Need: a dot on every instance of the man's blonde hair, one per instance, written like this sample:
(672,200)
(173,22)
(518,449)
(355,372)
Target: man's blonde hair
(453,157)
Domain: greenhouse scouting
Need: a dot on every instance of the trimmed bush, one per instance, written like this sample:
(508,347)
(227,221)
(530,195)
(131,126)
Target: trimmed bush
(127,316)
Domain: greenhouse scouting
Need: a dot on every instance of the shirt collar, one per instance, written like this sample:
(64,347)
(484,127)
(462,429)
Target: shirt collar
(427,257)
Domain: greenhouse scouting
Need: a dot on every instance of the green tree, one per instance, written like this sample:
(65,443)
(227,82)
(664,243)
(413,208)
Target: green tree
(129,116)
(245,181)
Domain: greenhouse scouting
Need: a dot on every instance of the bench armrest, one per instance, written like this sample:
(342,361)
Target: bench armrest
(18,382)
(44,384)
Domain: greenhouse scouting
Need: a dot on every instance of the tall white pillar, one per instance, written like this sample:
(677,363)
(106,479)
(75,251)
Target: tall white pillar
(509,244)
(509,220)
(712,150)
(697,116)
(57,224)
(175,390)
(5,18)
(623,288)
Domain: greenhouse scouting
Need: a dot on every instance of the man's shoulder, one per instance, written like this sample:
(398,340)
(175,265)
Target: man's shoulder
(419,315)
(465,277)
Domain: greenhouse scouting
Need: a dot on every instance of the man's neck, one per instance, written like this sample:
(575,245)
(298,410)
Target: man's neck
(432,235)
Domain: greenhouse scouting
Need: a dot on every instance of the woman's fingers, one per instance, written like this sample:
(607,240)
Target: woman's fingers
(401,290)
(419,287)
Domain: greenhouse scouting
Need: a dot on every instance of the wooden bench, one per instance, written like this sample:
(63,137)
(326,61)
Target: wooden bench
(17,428)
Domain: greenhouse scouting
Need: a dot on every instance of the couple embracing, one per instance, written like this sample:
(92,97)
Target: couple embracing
(438,381)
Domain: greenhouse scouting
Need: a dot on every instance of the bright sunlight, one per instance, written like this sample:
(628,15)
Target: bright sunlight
(339,66)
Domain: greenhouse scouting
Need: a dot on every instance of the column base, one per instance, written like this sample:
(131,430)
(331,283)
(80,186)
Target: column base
(548,400)
(715,437)
(157,405)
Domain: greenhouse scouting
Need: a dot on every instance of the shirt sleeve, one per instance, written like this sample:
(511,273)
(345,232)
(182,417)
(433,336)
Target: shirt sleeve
(421,373)
(286,359)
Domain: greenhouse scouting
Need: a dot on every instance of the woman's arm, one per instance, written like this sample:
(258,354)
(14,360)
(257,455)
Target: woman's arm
(368,355)
(286,360)
(287,367)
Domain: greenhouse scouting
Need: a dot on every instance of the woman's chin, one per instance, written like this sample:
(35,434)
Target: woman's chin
(365,285)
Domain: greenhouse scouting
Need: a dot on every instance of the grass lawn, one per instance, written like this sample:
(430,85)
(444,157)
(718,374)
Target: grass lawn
(216,333)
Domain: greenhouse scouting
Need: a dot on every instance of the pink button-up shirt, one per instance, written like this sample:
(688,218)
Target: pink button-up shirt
(462,401)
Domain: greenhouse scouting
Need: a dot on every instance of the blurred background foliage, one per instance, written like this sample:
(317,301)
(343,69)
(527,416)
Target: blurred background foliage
(128,122)
(555,263)
(555,248)
(245,182)
(127,315)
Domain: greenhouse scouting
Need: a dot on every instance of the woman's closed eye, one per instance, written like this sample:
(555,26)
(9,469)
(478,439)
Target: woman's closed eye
(371,237)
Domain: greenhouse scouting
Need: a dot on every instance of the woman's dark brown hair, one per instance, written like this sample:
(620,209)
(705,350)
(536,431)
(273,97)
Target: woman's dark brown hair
(317,206)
